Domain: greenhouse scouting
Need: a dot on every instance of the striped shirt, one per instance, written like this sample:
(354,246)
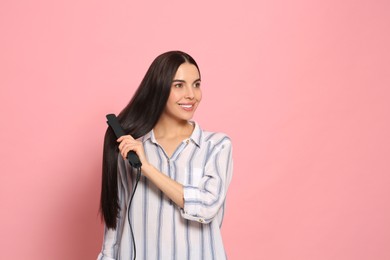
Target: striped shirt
(203,164)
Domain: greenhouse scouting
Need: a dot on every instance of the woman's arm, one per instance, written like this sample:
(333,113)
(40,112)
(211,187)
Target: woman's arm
(200,202)
(171,188)
(203,200)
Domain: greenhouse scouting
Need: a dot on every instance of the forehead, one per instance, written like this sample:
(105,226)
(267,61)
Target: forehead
(187,71)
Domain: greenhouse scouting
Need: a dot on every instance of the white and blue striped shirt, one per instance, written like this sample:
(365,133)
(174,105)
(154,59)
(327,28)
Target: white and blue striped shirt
(163,231)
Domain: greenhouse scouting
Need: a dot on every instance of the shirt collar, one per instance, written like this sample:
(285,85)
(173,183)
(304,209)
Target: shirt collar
(195,136)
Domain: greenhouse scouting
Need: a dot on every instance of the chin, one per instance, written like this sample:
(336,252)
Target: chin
(186,117)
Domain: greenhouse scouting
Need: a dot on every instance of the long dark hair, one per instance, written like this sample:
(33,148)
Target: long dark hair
(137,119)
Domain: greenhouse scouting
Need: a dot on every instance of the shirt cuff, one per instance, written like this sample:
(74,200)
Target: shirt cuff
(103,257)
(192,204)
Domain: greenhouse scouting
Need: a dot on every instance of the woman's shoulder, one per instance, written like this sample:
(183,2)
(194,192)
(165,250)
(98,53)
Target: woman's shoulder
(215,138)
(209,138)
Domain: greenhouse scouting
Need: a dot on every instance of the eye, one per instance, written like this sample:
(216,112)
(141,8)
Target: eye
(197,85)
(178,85)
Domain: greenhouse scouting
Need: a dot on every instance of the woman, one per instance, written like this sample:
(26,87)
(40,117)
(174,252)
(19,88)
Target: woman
(178,207)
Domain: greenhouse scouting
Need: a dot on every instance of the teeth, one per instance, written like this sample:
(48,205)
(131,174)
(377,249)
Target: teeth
(186,106)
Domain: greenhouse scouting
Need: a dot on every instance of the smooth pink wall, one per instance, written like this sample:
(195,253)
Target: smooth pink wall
(302,87)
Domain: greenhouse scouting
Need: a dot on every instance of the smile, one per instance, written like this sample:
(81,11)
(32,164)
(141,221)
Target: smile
(186,105)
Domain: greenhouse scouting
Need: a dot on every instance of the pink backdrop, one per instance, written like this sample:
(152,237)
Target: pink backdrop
(302,87)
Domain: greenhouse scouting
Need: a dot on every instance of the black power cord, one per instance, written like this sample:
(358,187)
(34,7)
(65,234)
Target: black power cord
(134,161)
(128,210)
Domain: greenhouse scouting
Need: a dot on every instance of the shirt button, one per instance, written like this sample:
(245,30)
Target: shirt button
(201,220)
(188,141)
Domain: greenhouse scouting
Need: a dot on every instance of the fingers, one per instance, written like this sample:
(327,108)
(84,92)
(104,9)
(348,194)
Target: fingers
(126,149)
(120,139)
(127,144)
(124,140)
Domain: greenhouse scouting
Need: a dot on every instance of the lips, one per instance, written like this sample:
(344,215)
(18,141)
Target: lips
(187,106)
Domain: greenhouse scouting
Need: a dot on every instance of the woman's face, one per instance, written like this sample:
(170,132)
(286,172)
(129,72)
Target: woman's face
(185,93)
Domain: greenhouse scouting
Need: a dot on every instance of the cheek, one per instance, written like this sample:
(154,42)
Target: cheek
(172,97)
(199,95)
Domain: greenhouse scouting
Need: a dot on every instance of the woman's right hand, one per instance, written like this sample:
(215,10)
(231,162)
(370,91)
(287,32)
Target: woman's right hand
(127,143)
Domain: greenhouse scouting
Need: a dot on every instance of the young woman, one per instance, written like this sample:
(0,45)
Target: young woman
(178,206)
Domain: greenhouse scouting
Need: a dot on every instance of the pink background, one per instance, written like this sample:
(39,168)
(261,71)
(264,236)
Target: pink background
(302,87)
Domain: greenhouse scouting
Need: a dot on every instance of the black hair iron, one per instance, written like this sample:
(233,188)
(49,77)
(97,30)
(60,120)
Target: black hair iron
(132,157)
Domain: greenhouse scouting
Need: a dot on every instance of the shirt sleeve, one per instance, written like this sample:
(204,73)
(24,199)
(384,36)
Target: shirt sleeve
(112,237)
(203,201)
(110,245)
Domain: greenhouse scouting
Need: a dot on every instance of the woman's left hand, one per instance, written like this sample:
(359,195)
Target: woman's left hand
(127,144)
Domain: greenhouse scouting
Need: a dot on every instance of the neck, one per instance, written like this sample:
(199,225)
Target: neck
(170,128)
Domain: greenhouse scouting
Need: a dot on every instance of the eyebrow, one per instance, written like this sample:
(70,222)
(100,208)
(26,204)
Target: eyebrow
(183,81)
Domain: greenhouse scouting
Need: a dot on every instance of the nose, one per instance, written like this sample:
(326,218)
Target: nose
(189,93)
